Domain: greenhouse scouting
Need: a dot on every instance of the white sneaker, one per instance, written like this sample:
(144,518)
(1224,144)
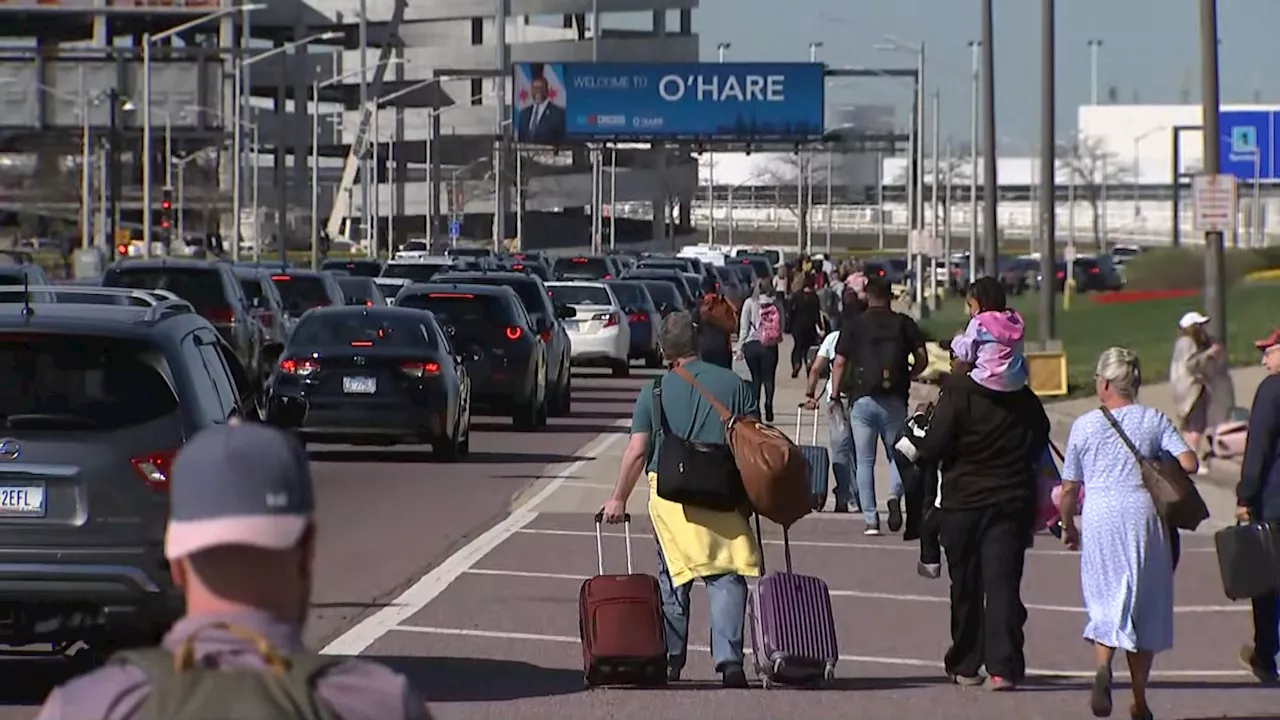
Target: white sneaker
(872,531)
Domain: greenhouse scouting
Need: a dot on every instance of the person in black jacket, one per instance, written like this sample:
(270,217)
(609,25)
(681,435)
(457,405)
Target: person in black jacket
(804,315)
(987,444)
(1258,500)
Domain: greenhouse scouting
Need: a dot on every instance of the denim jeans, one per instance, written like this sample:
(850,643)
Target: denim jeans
(872,418)
(844,462)
(728,598)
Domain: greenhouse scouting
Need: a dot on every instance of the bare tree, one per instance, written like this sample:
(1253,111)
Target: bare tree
(1092,168)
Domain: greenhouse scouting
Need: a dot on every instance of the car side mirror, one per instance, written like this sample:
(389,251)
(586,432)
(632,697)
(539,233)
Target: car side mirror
(564,312)
(664,309)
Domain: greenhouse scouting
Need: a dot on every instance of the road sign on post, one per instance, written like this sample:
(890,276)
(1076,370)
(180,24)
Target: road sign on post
(455,229)
(1215,203)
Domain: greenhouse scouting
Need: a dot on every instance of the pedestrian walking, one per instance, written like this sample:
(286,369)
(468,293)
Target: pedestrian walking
(715,319)
(844,461)
(986,444)
(804,315)
(879,353)
(1126,551)
(715,546)
(1200,376)
(1258,501)
(241,544)
(759,334)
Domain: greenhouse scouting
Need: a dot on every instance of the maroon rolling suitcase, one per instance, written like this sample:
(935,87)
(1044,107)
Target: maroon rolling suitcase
(624,635)
(793,628)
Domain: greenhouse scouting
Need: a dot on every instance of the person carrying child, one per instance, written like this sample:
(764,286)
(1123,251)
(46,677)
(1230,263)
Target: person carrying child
(992,344)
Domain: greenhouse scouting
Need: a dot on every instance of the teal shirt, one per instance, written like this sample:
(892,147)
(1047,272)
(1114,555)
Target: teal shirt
(689,415)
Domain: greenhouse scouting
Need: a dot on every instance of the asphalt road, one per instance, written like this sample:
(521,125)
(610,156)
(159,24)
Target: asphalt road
(387,516)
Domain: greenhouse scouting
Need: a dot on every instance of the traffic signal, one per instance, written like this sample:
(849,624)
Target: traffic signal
(166,208)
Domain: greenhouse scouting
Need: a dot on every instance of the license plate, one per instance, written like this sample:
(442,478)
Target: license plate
(22,500)
(359,385)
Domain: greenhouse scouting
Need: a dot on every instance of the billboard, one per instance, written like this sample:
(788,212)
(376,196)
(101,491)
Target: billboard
(566,103)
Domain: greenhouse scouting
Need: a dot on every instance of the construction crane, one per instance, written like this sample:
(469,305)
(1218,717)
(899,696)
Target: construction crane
(336,227)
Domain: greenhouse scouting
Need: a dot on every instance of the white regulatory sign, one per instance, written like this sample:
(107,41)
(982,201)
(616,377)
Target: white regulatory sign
(925,243)
(1214,198)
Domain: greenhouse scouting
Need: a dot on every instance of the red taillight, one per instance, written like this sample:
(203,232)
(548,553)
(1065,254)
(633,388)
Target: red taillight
(279,278)
(609,319)
(1061,274)
(880,273)
(638,317)
(517,267)
(579,261)
(361,343)
(467,296)
(546,336)
(155,469)
(514,332)
(301,368)
(420,369)
(1094,270)
(123,249)
(222,316)
(608,276)
(368,303)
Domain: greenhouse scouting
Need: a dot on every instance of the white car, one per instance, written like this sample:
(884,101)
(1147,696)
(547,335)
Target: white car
(599,333)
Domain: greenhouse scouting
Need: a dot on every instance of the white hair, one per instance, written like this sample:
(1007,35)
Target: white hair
(1120,367)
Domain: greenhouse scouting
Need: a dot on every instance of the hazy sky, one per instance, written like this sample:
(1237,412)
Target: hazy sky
(1149,48)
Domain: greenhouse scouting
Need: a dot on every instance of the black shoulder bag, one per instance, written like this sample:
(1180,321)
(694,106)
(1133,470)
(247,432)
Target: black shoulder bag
(693,473)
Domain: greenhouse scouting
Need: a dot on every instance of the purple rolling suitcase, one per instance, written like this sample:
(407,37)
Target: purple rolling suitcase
(793,629)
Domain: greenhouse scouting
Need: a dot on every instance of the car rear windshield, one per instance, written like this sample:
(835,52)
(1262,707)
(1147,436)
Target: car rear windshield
(745,272)
(198,286)
(579,295)
(77,382)
(595,268)
(359,329)
(417,272)
(630,293)
(532,297)
(252,289)
(357,290)
(665,264)
(664,292)
(761,267)
(359,268)
(464,312)
(300,293)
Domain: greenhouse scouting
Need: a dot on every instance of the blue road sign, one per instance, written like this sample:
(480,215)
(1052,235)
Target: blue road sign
(566,103)
(455,229)
(1249,144)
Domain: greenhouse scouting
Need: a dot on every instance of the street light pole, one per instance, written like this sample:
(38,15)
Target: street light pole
(990,182)
(975,115)
(935,208)
(1048,174)
(86,190)
(1214,281)
(1095,46)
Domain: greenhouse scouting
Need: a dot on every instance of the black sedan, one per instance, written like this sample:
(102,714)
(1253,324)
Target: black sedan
(372,376)
(491,332)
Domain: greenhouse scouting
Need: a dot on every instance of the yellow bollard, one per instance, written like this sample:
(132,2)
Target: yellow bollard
(1067,290)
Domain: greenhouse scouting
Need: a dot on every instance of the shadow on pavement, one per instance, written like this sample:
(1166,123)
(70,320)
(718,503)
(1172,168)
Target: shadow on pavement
(452,680)
(554,426)
(390,455)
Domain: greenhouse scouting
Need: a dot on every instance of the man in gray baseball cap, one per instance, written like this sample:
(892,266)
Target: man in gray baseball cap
(241,544)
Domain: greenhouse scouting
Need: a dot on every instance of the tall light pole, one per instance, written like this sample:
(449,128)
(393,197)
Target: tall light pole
(1215,300)
(148,40)
(935,209)
(1095,46)
(1048,173)
(990,182)
(975,117)
(916,211)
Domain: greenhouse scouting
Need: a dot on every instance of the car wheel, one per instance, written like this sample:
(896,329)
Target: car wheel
(561,405)
(446,449)
(621,368)
(525,416)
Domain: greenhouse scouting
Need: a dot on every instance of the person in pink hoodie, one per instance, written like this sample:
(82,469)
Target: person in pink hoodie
(992,344)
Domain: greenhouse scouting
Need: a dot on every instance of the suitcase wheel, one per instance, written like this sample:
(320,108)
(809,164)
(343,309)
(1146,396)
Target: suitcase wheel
(829,674)
(765,682)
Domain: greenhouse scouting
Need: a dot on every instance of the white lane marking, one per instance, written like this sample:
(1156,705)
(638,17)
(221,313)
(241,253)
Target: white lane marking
(865,659)
(581,484)
(811,543)
(358,638)
(864,595)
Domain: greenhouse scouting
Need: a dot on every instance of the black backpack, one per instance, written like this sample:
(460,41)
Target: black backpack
(880,364)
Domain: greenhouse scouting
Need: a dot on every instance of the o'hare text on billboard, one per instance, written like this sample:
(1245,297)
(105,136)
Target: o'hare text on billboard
(559,103)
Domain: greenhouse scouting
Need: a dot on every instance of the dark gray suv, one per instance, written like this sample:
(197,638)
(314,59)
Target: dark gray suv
(95,400)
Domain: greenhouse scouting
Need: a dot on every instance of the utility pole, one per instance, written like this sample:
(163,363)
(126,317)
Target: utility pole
(935,208)
(990,183)
(1215,300)
(500,203)
(1048,175)
(365,165)
(1094,47)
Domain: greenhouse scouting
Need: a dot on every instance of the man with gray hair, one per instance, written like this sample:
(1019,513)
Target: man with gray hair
(693,541)
(241,542)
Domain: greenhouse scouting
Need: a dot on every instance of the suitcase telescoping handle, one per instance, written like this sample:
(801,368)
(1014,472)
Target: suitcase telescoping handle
(799,416)
(786,546)
(626,530)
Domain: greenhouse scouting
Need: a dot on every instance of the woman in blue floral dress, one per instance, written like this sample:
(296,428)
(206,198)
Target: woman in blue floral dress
(1126,555)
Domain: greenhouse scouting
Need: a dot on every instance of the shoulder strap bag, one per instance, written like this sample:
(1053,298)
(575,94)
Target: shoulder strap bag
(1176,498)
(693,473)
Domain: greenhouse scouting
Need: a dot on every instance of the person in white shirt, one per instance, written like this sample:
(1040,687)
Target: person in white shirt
(843,458)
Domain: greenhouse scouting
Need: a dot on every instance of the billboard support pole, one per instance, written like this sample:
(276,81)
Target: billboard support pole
(499,171)
(801,210)
(1048,175)
(990,181)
